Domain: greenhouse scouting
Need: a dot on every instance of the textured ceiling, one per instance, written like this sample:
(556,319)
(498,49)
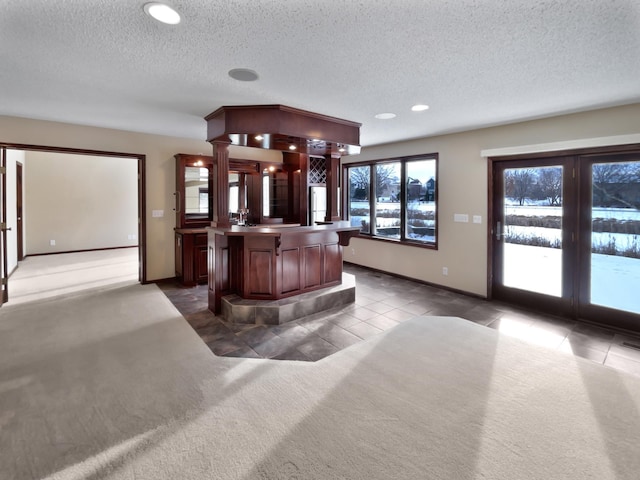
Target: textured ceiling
(475,62)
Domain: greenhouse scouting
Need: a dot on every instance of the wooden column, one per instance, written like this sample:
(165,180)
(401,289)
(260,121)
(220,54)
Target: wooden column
(220,183)
(304,190)
(333,183)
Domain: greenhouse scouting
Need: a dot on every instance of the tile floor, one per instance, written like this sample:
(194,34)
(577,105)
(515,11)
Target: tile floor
(383,301)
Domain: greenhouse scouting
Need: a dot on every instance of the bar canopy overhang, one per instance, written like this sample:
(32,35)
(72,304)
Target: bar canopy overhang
(278,127)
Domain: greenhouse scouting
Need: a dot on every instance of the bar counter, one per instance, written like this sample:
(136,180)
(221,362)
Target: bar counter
(269,262)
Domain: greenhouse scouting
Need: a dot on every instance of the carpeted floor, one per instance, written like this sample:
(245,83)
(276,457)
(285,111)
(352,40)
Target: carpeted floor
(49,276)
(115,384)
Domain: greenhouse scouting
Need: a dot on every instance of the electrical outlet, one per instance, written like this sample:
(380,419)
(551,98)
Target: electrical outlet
(353,252)
(52,243)
(445,271)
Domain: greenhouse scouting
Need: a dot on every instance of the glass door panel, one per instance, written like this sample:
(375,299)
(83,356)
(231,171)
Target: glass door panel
(615,236)
(532,230)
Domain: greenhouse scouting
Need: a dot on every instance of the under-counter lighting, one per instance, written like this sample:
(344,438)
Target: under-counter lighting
(198,163)
(385,116)
(258,137)
(292,147)
(419,108)
(162,13)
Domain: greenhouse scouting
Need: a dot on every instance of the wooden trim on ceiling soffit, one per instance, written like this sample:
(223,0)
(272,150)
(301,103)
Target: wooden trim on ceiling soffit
(240,124)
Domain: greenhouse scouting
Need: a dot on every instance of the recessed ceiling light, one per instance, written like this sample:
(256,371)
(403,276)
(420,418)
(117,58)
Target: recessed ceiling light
(420,108)
(385,116)
(243,75)
(163,13)
(292,147)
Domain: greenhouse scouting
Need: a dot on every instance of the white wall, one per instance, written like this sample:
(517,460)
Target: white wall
(13,156)
(463,189)
(160,170)
(81,202)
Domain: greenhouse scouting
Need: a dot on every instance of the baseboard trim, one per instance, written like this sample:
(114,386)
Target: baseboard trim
(164,280)
(80,251)
(417,280)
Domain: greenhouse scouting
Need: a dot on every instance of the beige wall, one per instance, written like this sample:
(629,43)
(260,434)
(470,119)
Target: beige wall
(463,185)
(160,170)
(463,189)
(80,202)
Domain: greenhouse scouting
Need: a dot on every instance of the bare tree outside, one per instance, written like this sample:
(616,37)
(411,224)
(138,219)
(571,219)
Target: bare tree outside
(518,184)
(550,185)
(385,175)
(616,185)
(360,179)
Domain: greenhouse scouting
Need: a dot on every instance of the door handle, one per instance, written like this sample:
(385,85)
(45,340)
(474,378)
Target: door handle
(498,232)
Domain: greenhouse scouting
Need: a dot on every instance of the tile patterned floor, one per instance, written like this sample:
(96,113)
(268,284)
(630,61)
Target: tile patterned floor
(383,301)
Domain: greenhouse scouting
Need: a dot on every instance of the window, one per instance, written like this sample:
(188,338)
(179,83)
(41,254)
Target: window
(394,199)
(359,205)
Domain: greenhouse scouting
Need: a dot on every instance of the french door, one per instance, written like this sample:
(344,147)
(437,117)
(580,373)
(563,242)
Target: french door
(565,235)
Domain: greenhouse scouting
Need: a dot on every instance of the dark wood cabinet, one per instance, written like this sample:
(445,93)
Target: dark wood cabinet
(194,211)
(194,184)
(191,256)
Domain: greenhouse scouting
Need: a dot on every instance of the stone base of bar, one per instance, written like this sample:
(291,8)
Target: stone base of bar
(276,312)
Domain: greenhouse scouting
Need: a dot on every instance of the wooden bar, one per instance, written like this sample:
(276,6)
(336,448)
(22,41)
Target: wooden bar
(191,256)
(269,262)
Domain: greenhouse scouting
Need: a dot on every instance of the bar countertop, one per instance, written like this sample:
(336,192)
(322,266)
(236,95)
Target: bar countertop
(280,229)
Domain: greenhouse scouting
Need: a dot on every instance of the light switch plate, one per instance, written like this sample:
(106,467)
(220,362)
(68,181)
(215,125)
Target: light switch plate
(460,217)
(157,213)
(477,219)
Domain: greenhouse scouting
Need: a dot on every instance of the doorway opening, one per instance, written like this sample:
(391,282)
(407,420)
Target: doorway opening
(72,201)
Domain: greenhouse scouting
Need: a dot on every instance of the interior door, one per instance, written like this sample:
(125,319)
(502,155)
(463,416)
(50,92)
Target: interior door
(4,276)
(19,224)
(533,233)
